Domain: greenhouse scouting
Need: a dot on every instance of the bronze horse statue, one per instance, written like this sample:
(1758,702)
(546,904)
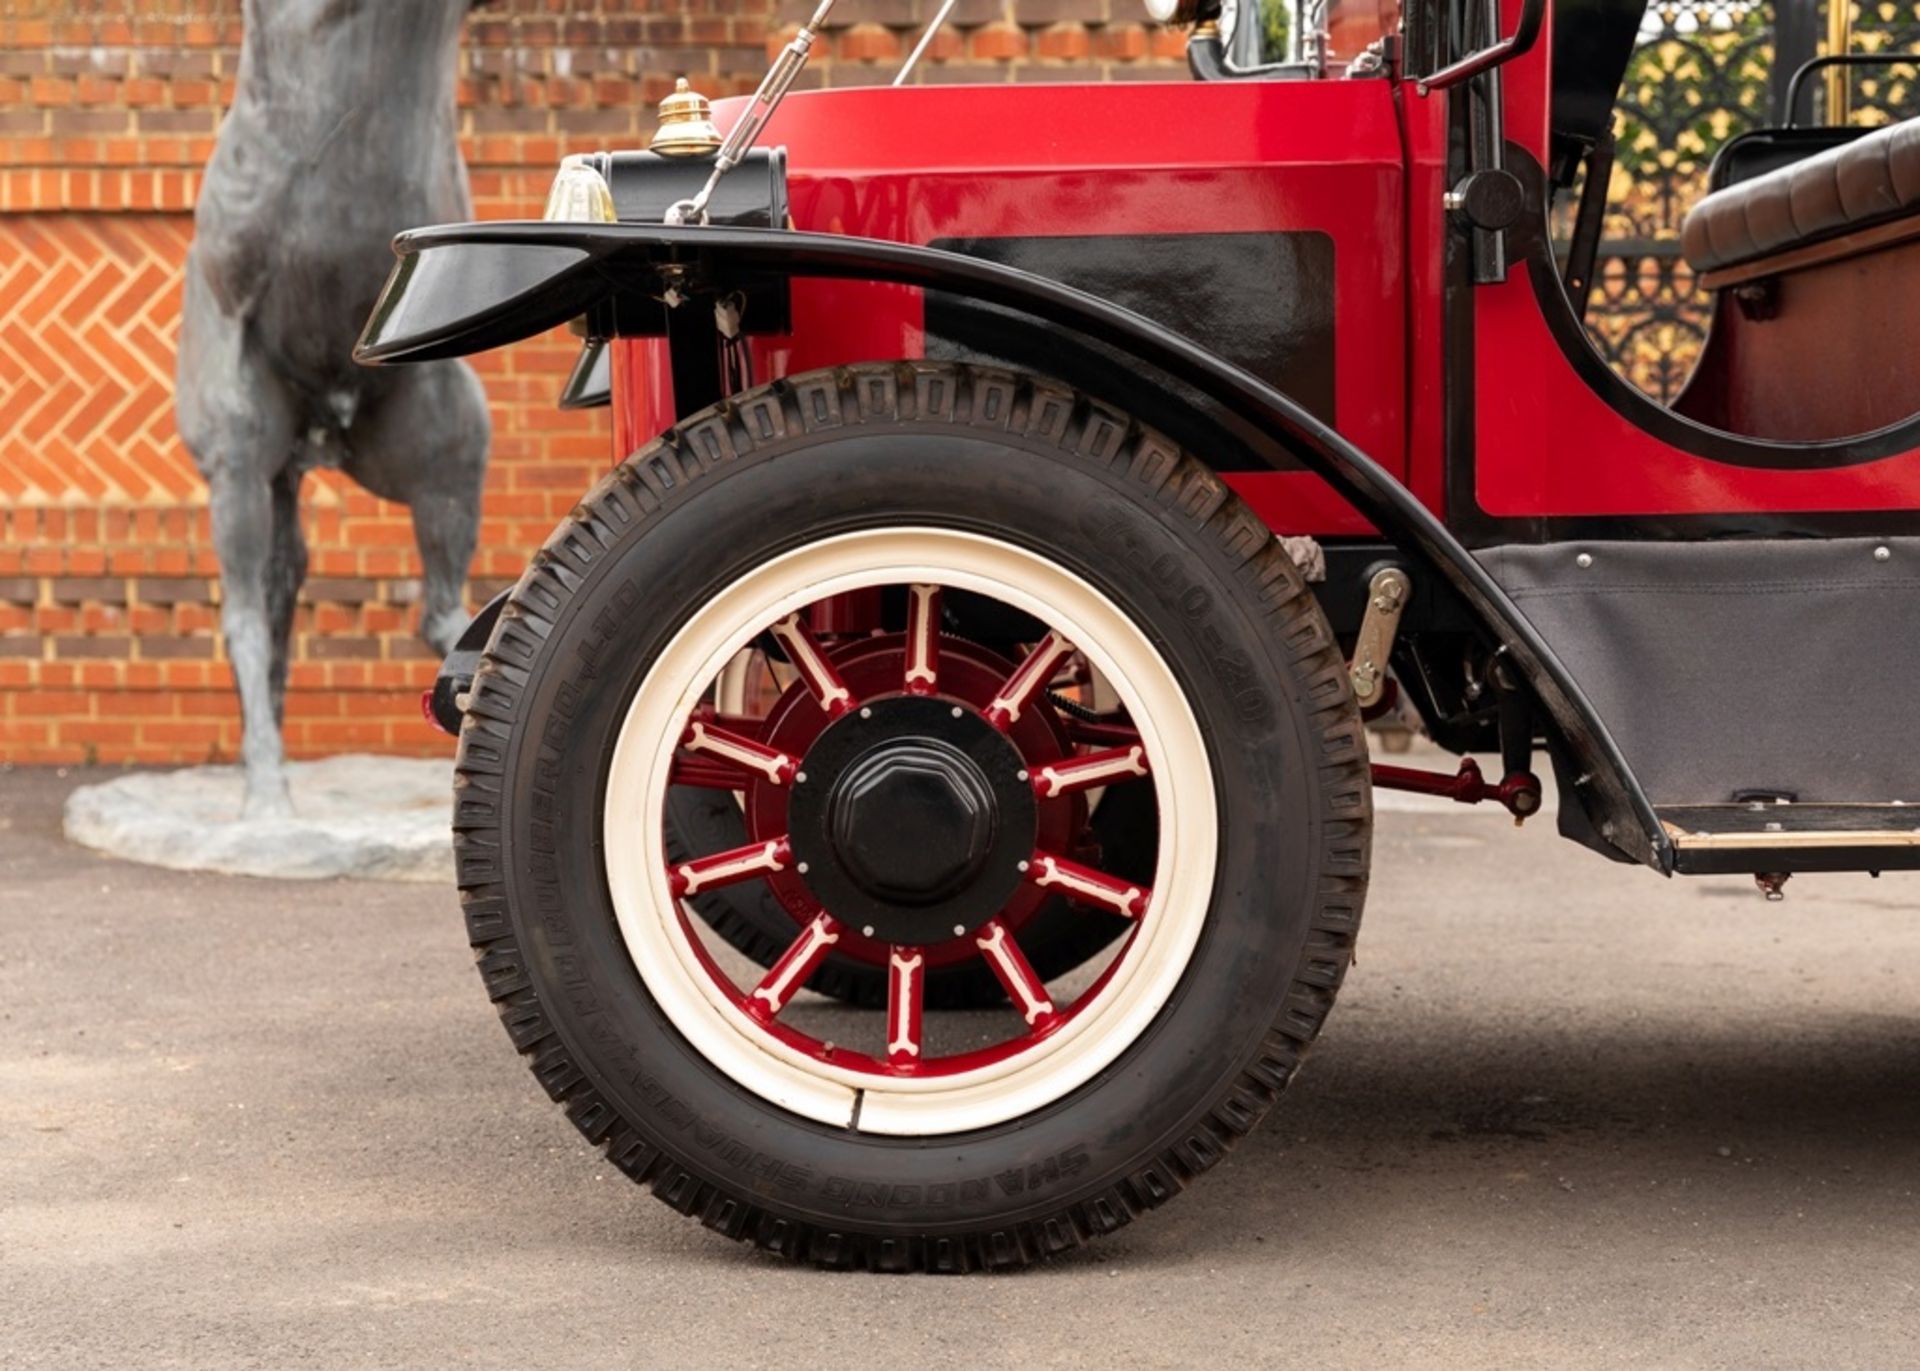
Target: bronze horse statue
(343,131)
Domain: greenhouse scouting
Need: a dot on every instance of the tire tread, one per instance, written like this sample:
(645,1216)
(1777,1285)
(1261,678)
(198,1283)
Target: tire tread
(1184,489)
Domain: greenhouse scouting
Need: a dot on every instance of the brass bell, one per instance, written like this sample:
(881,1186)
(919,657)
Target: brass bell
(686,124)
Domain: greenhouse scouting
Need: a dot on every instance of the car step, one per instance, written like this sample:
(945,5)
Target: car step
(1776,836)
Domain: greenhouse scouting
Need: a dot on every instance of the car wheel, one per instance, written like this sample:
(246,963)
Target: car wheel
(910,797)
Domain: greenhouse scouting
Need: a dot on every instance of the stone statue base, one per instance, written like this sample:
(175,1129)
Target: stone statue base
(370,818)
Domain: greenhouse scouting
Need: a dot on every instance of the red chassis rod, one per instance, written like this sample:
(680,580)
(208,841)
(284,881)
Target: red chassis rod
(1519,792)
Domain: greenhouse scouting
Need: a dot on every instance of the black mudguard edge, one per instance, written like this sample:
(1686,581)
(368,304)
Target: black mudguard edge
(456,672)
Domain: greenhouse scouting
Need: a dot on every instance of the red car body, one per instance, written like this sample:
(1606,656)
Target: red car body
(925,165)
(1553,436)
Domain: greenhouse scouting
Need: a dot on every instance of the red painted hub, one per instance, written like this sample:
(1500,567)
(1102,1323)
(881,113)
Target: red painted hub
(969,676)
(909,728)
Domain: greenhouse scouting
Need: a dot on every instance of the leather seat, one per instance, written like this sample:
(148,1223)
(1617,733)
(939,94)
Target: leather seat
(1873,179)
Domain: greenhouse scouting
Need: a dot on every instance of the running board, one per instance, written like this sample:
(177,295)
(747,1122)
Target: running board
(1774,837)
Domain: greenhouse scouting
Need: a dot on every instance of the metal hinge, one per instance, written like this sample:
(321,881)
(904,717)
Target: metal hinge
(1387,596)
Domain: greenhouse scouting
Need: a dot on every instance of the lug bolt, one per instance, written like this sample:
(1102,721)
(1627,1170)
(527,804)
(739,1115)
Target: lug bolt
(867,931)
(802,868)
(866,713)
(958,929)
(1882,554)
(1023,866)
(1584,560)
(957,711)
(799,778)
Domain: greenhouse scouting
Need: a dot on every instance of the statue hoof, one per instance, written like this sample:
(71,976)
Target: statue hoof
(267,799)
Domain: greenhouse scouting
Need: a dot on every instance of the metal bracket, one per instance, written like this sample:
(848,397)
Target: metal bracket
(1387,596)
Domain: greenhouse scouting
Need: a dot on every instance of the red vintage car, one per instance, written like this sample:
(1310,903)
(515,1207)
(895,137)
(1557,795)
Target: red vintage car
(1026,493)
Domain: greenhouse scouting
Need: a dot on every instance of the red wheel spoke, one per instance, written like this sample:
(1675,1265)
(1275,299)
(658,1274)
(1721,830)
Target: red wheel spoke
(828,689)
(1028,680)
(1010,964)
(743,752)
(729,867)
(906,992)
(796,964)
(708,773)
(1094,769)
(923,639)
(1084,883)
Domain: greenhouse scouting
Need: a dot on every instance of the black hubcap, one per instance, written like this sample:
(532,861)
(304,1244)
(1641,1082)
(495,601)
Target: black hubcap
(912,820)
(935,810)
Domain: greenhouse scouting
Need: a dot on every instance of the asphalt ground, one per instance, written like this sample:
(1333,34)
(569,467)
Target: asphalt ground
(1565,1114)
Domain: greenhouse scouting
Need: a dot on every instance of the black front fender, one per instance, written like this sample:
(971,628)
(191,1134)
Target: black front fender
(446,702)
(461,289)
(467,287)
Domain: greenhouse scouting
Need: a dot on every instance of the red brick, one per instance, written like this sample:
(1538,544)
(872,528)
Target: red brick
(97,732)
(867,43)
(64,754)
(194,735)
(1169,44)
(54,703)
(998,43)
(1121,43)
(1062,43)
(348,734)
(134,704)
(946,45)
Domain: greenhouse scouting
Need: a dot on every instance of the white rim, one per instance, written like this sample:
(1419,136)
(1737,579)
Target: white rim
(650,920)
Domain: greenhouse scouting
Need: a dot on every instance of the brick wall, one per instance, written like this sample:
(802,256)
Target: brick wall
(988,40)
(109,592)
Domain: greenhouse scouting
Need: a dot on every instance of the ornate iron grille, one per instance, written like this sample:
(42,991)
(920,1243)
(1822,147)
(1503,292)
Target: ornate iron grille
(1881,95)
(1705,71)
(1699,76)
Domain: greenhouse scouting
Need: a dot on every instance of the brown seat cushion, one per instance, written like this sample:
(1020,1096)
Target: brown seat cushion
(1868,181)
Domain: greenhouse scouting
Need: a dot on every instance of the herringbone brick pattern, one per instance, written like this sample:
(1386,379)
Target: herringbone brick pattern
(109,586)
(89,312)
